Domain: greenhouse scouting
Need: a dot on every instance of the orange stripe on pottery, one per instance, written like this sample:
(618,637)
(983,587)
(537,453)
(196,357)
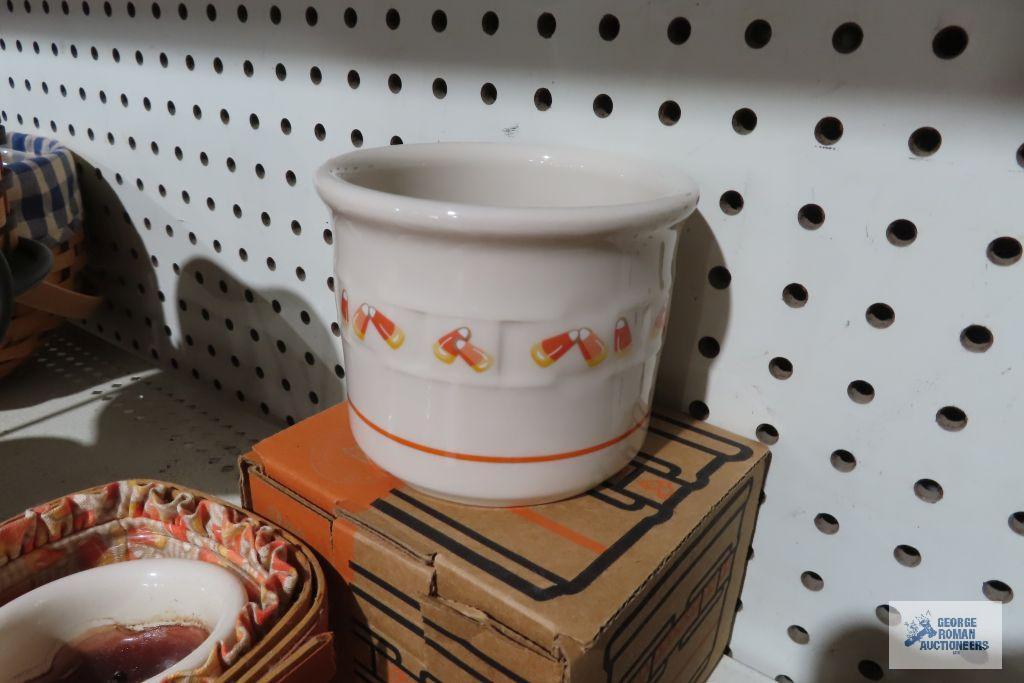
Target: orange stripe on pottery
(344,306)
(495,458)
(559,529)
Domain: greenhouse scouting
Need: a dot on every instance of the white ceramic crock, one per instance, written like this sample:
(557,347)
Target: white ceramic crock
(34,626)
(502,311)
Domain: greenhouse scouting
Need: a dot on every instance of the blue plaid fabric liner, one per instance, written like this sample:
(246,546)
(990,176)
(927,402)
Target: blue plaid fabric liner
(42,189)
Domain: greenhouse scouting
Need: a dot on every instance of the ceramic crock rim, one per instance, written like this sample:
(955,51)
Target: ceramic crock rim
(430,216)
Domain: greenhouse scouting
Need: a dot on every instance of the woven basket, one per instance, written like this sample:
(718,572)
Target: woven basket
(44,307)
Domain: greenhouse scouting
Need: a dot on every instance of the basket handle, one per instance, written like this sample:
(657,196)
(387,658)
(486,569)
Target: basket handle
(51,298)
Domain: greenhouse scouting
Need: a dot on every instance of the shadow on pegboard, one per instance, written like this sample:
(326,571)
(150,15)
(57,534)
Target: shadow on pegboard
(698,319)
(267,336)
(225,325)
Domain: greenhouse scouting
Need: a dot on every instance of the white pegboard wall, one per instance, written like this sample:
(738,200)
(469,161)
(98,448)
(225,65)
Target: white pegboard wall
(835,329)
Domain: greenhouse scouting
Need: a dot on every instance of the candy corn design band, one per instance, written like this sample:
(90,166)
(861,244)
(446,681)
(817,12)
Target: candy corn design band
(344,306)
(456,344)
(365,315)
(623,336)
(548,351)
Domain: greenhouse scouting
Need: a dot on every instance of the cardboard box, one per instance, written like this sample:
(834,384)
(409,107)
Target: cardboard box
(637,580)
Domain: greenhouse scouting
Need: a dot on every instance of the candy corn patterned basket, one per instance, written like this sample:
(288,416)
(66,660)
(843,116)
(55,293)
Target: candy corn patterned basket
(40,199)
(135,519)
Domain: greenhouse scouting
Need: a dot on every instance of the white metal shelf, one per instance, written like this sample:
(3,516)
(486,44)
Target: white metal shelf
(82,412)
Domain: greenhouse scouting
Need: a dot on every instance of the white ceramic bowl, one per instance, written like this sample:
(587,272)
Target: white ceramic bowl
(503,309)
(34,626)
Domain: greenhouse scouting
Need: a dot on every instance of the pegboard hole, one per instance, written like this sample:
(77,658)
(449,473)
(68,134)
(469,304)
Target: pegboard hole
(440,88)
(880,315)
(901,233)
(312,17)
(281,71)
(888,615)
(286,126)
(488,93)
(828,130)
(319,132)
(812,581)
(795,295)
(608,27)
(997,591)
(843,461)
(758,33)
(489,23)
(949,42)
(783,678)
(976,338)
(744,121)
(928,490)
(679,30)
(546,25)
(669,113)
(826,523)
(1004,251)
(924,141)
(870,669)
(603,106)
(353,79)
(719,277)
(315,75)
(708,347)
(350,17)
(731,202)
(767,434)
(951,418)
(356,137)
(542,99)
(810,216)
(699,410)
(395,83)
(847,38)
(780,368)
(275,15)
(798,634)
(392,18)
(1020,156)
(395,140)
(1016,522)
(907,555)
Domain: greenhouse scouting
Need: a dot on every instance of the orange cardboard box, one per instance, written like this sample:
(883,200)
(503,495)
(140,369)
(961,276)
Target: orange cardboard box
(636,580)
